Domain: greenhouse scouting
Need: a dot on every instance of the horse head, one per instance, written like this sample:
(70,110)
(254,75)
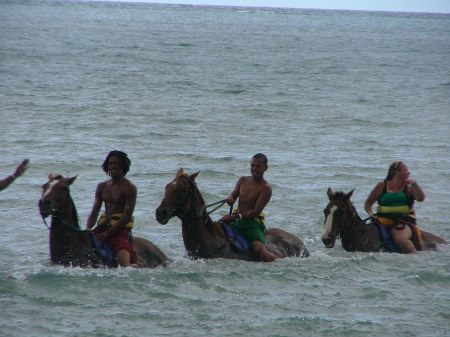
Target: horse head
(179,198)
(338,215)
(55,195)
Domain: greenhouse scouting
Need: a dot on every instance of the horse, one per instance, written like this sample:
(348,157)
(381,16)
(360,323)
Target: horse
(72,246)
(342,221)
(204,238)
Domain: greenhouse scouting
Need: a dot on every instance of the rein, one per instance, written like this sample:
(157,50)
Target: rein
(220,203)
(355,224)
(64,222)
(178,210)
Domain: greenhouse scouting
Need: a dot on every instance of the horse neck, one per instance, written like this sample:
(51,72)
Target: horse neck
(68,243)
(355,220)
(196,226)
(68,216)
(63,232)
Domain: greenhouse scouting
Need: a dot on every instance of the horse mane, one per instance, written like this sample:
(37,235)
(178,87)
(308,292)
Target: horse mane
(344,197)
(74,209)
(339,195)
(75,214)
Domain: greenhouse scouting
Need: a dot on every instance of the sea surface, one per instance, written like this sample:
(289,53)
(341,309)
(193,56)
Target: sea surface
(331,97)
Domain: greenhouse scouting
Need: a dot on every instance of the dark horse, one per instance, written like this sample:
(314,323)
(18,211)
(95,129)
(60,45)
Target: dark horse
(342,221)
(72,246)
(204,238)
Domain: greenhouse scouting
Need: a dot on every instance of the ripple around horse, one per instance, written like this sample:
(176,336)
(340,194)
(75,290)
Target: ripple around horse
(204,238)
(72,246)
(342,221)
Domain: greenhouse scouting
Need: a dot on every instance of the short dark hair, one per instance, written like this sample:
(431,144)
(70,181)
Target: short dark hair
(261,156)
(125,162)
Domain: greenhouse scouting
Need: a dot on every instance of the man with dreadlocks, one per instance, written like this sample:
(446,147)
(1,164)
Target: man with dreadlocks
(119,196)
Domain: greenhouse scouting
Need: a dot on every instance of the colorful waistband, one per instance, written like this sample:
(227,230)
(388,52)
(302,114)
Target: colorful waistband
(104,221)
(260,218)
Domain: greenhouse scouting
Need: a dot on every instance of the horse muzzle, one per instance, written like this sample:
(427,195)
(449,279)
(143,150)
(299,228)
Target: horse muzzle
(45,208)
(329,242)
(162,215)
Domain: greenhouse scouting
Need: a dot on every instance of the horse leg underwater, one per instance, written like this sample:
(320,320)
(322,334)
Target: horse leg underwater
(69,244)
(204,238)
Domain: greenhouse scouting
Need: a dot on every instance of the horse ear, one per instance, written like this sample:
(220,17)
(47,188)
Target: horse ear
(71,180)
(194,175)
(180,172)
(349,194)
(329,193)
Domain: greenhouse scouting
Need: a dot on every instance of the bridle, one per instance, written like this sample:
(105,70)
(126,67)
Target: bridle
(351,225)
(346,228)
(178,210)
(58,214)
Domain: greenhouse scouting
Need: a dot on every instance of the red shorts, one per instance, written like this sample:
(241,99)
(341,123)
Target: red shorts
(119,241)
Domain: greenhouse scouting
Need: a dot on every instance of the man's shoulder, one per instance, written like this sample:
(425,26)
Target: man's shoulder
(103,184)
(248,180)
(128,184)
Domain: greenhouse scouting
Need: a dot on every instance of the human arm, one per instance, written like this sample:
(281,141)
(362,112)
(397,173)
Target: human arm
(231,200)
(373,196)
(415,190)
(92,219)
(23,166)
(235,193)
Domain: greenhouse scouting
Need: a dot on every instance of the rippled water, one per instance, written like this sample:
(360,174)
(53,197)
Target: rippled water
(332,98)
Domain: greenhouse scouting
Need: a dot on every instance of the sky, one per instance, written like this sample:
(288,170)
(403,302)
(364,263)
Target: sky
(427,6)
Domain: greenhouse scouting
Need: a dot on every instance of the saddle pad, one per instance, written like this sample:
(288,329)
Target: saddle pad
(104,250)
(386,238)
(239,243)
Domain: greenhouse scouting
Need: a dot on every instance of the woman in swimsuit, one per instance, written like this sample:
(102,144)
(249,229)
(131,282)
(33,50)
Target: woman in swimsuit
(396,196)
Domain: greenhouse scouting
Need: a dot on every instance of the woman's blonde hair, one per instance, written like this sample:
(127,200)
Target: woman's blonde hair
(395,166)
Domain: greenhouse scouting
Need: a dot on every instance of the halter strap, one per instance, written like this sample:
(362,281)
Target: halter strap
(56,214)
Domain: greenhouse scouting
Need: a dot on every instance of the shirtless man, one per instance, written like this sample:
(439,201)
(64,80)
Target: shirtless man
(254,193)
(17,173)
(119,196)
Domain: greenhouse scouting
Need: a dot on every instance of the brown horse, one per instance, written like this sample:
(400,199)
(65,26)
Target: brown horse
(204,238)
(342,221)
(72,246)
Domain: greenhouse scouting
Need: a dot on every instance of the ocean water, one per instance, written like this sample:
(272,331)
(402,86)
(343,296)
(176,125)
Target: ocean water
(331,97)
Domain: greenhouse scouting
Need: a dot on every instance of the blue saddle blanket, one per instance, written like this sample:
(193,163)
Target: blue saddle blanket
(104,250)
(239,243)
(386,238)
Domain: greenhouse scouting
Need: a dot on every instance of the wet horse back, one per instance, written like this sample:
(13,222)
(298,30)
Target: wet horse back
(148,254)
(284,243)
(430,240)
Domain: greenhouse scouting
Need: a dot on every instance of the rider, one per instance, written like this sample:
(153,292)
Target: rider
(119,196)
(17,173)
(395,196)
(254,193)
